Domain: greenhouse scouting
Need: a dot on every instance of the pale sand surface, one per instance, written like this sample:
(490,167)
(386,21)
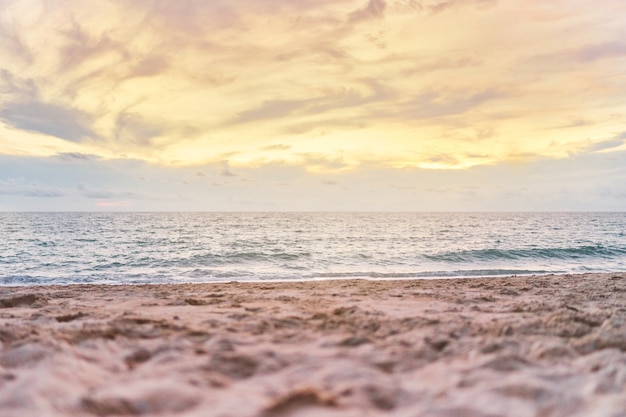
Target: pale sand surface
(519,346)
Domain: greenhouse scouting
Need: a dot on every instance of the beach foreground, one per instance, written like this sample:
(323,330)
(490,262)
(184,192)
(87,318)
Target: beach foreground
(518,346)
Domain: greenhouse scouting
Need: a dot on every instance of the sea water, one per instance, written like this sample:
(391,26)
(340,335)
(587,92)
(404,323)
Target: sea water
(116,248)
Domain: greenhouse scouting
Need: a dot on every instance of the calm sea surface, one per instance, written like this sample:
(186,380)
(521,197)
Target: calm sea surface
(64,248)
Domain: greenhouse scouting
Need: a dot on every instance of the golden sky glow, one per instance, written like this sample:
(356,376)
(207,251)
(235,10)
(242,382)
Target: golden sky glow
(328,86)
(402,83)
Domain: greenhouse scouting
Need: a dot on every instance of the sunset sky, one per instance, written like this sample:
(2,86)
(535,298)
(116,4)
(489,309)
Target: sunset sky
(312,105)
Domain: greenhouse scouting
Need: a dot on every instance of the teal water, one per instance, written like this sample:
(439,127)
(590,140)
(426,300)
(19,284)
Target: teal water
(67,248)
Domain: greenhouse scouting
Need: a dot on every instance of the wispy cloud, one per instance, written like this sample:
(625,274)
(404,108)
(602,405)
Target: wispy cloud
(433,104)
(76,157)
(133,128)
(12,39)
(17,87)
(19,187)
(331,99)
(607,144)
(278,147)
(50,119)
(375,9)
(227,173)
(181,83)
(439,6)
(599,51)
(107,193)
(588,53)
(80,48)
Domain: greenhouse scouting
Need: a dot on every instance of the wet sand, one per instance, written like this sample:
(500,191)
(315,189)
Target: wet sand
(519,346)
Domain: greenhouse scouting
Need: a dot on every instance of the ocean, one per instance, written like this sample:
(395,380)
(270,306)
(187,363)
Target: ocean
(122,248)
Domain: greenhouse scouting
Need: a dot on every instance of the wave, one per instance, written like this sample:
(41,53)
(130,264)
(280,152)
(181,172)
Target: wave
(244,257)
(435,274)
(579,252)
(200,275)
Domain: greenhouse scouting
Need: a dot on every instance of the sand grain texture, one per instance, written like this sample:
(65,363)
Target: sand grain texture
(518,346)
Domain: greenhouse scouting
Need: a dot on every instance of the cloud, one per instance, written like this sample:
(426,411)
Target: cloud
(604,145)
(148,67)
(225,170)
(50,119)
(443,160)
(323,126)
(586,54)
(365,91)
(272,109)
(19,187)
(107,193)
(76,157)
(439,6)
(132,128)
(317,161)
(573,122)
(434,104)
(12,40)
(220,14)
(227,173)
(375,9)
(17,87)
(360,93)
(586,181)
(81,47)
(277,147)
(431,65)
(594,52)
(187,82)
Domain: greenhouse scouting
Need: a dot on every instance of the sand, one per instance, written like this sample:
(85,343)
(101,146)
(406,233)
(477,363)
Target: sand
(517,346)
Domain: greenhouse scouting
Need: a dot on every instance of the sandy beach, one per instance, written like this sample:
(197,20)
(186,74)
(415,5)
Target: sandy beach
(518,346)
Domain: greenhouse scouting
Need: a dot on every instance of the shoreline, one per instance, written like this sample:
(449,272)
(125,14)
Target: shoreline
(322,279)
(550,345)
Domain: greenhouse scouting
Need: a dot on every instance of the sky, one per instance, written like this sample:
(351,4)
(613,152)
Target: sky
(313,105)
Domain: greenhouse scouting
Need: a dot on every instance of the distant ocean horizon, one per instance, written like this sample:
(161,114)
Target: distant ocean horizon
(39,248)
